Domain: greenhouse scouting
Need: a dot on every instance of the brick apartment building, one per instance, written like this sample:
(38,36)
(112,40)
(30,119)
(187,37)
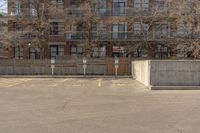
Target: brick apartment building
(118,38)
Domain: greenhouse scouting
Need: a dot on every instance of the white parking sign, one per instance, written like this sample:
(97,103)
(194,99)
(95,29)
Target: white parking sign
(116,61)
(52,61)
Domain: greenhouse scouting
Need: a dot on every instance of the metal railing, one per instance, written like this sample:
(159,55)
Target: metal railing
(129,35)
(103,12)
(112,36)
(78,12)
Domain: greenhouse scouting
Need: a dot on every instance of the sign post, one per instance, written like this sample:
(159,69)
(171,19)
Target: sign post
(52,66)
(84,65)
(116,66)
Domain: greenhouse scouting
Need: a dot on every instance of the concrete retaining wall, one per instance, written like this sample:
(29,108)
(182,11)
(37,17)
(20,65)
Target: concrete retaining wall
(167,73)
(141,72)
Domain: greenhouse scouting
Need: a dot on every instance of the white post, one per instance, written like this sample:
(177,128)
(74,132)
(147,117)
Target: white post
(52,71)
(116,66)
(84,69)
(52,66)
(116,71)
(84,65)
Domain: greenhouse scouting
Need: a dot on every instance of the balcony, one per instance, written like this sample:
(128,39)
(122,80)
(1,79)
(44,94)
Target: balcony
(28,13)
(32,37)
(126,36)
(104,36)
(75,36)
(113,12)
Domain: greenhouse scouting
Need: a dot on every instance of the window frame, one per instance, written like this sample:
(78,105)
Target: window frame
(19,52)
(59,50)
(36,54)
(77,50)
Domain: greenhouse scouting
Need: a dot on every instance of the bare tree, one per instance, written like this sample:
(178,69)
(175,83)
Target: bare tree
(150,25)
(3,23)
(31,22)
(91,25)
(187,37)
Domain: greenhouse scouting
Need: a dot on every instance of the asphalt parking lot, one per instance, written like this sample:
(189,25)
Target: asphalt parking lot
(70,105)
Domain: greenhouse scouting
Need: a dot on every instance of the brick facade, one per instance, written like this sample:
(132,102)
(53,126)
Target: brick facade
(127,39)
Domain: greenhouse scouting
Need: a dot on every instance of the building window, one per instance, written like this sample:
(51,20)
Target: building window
(119,7)
(119,31)
(163,52)
(17,8)
(102,31)
(101,7)
(34,53)
(141,5)
(75,2)
(19,52)
(60,1)
(60,4)
(57,28)
(33,11)
(140,28)
(162,5)
(99,52)
(137,28)
(57,50)
(75,50)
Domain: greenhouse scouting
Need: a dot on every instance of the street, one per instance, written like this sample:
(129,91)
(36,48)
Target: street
(94,105)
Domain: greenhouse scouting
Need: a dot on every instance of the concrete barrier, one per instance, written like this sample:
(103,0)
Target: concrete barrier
(141,72)
(168,74)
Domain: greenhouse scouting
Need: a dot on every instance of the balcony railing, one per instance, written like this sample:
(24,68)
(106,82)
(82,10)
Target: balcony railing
(111,36)
(106,36)
(127,36)
(78,12)
(103,12)
(31,37)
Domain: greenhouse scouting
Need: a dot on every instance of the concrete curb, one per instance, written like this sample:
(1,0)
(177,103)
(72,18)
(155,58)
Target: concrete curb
(174,87)
(64,76)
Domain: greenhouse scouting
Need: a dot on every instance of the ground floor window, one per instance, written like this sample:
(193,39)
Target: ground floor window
(19,52)
(119,51)
(34,53)
(163,52)
(57,50)
(99,52)
(139,52)
(76,50)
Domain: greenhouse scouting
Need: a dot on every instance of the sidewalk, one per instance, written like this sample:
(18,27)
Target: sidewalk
(65,76)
